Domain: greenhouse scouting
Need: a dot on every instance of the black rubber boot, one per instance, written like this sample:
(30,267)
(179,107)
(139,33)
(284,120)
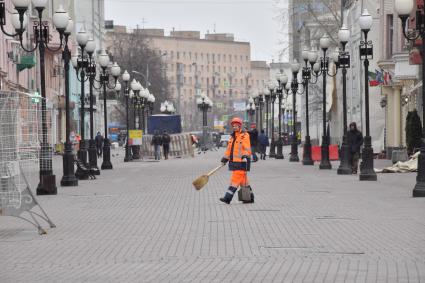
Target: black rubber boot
(229,195)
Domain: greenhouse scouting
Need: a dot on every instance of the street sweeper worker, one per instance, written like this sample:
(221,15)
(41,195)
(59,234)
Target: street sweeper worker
(238,154)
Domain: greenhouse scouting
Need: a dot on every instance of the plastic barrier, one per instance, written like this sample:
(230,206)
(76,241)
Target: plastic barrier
(316,152)
(180,146)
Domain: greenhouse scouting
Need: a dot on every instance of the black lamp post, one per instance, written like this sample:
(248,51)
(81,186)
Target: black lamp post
(308,57)
(136,88)
(323,68)
(41,34)
(404,8)
(126,78)
(282,79)
(114,71)
(295,67)
(250,109)
(81,65)
(68,178)
(204,104)
(367,173)
(343,62)
(267,102)
(272,85)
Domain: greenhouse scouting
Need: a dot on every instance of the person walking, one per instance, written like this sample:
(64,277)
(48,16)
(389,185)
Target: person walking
(263,142)
(253,139)
(166,139)
(355,141)
(157,142)
(238,154)
(99,144)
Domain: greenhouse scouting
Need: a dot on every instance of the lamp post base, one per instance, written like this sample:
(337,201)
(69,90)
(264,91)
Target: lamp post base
(128,156)
(93,158)
(324,162)
(307,160)
(68,178)
(279,149)
(136,151)
(47,185)
(367,173)
(272,151)
(344,165)
(419,190)
(294,152)
(106,164)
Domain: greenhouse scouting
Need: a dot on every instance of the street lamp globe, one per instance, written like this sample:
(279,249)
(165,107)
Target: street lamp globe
(16,23)
(126,76)
(325,41)
(69,27)
(21,3)
(82,37)
(295,66)
(115,70)
(118,87)
(316,67)
(60,19)
(343,34)
(254,94)
(39,3)
(288,86)
(365,21)
(133,84)
(90,46)
(312,56)
(250,100)
(103,59)
(404,7)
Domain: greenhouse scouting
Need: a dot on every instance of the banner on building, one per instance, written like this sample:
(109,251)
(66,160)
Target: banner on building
(239,106)
(135,137)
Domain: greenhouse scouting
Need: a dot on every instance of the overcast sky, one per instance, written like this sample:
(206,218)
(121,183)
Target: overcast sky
(249,20)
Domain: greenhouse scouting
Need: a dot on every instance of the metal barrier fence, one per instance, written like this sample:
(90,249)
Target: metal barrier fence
(180,146)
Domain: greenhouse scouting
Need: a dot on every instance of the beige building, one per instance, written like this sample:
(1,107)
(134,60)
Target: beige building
(217,65)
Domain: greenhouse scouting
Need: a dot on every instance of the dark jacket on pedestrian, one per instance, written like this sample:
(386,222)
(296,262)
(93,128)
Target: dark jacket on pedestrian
(99,140)
(166,139)
(253,137)
(157,139)
(354,138)
(263,140)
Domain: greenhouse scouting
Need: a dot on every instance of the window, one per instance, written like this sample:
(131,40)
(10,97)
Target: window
(224,57)
(230,58)
(190,80)
(390,36)
(241,58)
(196,55)
(190,55)
(208,68)
(172,54)
(224,68)
(202,68)
(184,80)
(202,56)
(219,69)
(213,57)
(208,57)
(184,55)
(241,70)
(218,57)
(247,58)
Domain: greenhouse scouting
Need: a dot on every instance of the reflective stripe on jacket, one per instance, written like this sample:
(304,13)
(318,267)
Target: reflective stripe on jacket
(241,145)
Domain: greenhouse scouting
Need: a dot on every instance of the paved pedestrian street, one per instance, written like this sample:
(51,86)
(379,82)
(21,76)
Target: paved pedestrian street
(144,222)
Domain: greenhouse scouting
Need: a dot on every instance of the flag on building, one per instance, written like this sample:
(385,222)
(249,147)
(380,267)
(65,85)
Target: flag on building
(372,79)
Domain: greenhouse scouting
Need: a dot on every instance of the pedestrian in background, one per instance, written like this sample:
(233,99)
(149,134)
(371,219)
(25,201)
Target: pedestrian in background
(99,144)
(166,139)
(157,142)
(238,154)
(253,138)
(355,141)
(263,142)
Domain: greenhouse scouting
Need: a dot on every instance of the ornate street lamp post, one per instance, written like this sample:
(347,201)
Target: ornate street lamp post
(68,178)
(343,61)
(126,78)
(267,95)
(308,57)
(81,66)
(295,67)
(250,109)
(272,85)
(204,104)
(41,34)
(281,79)
(323,69)
(367,173)
(136,88)
(114,71)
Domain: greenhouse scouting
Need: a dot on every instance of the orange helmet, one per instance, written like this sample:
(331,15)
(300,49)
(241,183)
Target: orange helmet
(236,120)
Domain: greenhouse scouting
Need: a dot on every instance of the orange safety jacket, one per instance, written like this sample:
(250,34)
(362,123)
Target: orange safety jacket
(238,146)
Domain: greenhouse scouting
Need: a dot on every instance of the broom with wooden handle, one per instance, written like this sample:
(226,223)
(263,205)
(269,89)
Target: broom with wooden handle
(201,181)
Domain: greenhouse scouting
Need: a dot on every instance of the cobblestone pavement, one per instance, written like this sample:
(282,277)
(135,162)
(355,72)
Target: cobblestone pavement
(144,222)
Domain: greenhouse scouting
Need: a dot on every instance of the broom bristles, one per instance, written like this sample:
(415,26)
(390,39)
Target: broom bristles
(200,182)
